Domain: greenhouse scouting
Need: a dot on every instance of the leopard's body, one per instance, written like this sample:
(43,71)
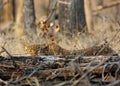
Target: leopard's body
(54,49)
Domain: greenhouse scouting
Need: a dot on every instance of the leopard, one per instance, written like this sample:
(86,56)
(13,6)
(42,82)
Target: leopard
(43,49)
(34,49)
(54,49)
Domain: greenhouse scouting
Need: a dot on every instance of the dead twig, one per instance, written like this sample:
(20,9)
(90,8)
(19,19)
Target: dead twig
(27,76)
(4,82)
(107,43)
(114,83)
(14,63)
(2,51)
(85,74)
(99,8)
(52,12)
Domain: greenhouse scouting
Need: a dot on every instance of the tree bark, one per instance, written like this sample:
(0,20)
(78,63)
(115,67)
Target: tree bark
(19,25)
(7,11)
(1,11)
(88,15)
(71,15)
(29,17)
(19,11)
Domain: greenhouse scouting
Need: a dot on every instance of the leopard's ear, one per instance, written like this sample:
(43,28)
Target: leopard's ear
(42,23)
(57,28)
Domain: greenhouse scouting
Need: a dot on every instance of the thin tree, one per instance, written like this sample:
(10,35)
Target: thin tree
(7,11)
(29,17)
(88,15)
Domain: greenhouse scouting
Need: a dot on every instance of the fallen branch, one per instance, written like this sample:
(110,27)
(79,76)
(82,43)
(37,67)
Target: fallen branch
(99,8)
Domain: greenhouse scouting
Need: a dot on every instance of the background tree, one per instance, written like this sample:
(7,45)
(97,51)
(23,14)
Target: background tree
(72,13)
(29,17)
(1,10)
(6,9)
(88,15)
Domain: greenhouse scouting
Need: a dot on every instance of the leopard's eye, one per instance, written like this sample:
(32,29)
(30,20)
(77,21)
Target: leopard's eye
(42,24)
(51,24)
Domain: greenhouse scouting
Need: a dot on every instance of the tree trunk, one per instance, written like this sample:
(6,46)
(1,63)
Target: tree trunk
(29,17)
(88,14)
(19,11)
(7,11)
(1,11)
(71,15)
(19,25)
(13,10)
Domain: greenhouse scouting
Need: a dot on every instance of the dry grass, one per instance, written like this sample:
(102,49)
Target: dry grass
(105,29)
(16,40)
